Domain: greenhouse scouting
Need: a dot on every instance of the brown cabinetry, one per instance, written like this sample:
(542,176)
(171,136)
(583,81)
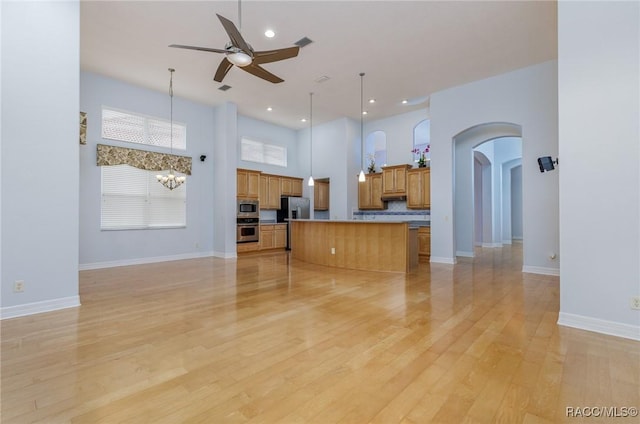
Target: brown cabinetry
(269,191)
(321,196)
(248,184)
(370,192)
(424,242)
(419,188)
(290,186)
(273,236)
(394,181)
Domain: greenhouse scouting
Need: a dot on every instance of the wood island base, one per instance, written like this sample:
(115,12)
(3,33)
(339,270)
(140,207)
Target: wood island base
(364,245)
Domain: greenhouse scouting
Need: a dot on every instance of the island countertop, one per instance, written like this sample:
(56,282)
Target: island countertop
(411,223)
(366,245)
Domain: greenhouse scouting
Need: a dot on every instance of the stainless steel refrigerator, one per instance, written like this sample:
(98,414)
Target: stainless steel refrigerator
(293,208)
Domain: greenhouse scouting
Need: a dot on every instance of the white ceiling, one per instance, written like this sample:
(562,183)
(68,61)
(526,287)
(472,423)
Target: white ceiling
(408,50)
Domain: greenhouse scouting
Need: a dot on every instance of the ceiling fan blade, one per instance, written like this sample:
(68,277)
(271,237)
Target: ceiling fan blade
(258,71)
(223,68)
(269,56)
(234,35)
(202,49)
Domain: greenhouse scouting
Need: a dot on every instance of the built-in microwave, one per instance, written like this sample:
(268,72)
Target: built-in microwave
(248,208)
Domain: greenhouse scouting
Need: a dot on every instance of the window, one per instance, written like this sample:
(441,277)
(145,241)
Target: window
(376,148)
(136,128)
(257,151)
(132,198)
(422,138)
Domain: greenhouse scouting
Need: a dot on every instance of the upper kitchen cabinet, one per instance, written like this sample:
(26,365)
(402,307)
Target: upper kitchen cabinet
(370,192)
(269,191)
(290,186)
(394,181)
(419,188)
(248,184)
(321,196)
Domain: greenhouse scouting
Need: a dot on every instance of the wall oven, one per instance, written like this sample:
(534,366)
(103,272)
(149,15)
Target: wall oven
(248,230)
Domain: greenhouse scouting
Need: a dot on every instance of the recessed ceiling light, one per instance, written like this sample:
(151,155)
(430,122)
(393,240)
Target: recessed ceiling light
(269,33)
(372,100)
(269,109)
(405,101)
(364,112)
(303,120)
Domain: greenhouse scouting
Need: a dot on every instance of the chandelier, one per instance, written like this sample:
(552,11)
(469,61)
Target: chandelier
(171,180)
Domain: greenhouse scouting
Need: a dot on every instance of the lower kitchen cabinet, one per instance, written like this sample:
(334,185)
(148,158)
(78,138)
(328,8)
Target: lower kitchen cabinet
(273,236)
(424,243)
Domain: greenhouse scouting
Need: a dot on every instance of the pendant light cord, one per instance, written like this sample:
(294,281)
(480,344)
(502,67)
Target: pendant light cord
(311,134)
(362,119)
(171,70)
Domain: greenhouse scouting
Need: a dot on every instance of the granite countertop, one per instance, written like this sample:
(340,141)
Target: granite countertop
(412,224)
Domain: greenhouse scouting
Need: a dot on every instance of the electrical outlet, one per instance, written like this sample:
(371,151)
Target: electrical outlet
(18,286)
(333,250)
(635,302)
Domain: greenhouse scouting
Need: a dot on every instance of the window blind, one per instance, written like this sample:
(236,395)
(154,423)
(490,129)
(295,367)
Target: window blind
(132,198)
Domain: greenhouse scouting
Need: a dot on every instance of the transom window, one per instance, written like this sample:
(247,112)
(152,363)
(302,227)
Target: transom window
(257,151)
(136,128)
(376,148)
(422,138)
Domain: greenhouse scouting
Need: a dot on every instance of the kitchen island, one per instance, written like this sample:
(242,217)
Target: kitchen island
(364,245)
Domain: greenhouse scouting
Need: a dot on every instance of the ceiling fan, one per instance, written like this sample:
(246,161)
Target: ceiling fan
(238,52)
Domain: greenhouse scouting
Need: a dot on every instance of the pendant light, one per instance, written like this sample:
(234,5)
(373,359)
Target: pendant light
(170,180)
(361,177)
(311,183)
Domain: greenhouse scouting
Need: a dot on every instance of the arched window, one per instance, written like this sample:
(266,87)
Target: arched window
(376,149)
(422,139)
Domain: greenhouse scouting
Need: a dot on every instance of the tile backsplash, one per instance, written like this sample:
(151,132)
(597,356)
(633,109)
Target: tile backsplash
(396,211)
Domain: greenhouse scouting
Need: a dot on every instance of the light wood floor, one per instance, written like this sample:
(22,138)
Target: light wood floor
(267,340)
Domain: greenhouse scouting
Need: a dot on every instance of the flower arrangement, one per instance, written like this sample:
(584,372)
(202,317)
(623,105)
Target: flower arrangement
(422,156)
(372,164)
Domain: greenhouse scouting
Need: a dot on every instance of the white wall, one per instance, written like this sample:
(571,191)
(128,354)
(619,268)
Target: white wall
(40,131)
(105,248)
(332,157)
(528,98)
(399,131)
(258,130)
(599,110)
(516,202)
(224,184)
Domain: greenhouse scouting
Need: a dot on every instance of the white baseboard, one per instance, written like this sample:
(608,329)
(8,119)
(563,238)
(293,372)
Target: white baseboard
(39,307)
(225,255)
(440,260)
(141,261)
(541,270)
(464,253)
(491,245)
(506,242)
(600,326)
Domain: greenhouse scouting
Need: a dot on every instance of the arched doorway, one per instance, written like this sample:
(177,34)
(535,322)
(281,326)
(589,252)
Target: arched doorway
(481,152)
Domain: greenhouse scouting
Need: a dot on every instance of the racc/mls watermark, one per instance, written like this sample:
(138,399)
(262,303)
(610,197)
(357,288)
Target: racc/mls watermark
(601,411)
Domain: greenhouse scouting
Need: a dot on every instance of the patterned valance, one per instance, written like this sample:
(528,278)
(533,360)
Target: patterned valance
(142,159)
